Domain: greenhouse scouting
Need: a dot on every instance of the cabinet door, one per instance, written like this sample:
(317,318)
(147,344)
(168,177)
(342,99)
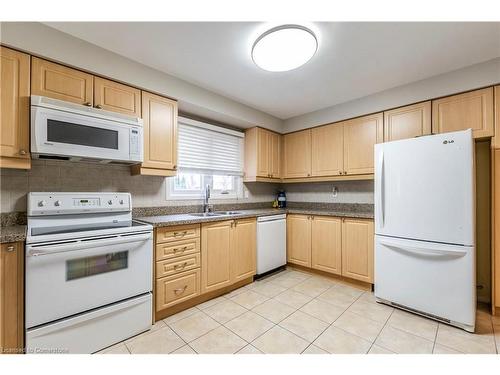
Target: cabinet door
(297,154)
(160,131)
(495,141)
(11,297)
(216,247)
(113,96)
(407,122)
(263,153)
(15,109)
(357,249)
(244,250)
(469,110)
(360,136)
(60,82)
(298,235)
(326,244)
(327,144)
(275,155)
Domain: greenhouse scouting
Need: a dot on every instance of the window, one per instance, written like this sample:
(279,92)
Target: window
(207,155)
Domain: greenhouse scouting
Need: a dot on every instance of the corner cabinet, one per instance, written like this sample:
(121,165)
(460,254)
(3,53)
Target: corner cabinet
(160,136)
(15,109)
(472,109)
(262,155)
(11,297)
(407,122)
(228,253)
(340,246)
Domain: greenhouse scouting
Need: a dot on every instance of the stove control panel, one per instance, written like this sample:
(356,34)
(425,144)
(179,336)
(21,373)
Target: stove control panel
(71,203)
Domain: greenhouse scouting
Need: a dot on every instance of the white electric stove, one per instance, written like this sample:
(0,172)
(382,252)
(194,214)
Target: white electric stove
(88,272)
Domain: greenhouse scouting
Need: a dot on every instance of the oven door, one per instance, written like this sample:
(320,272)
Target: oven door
(70,277)
(55,132)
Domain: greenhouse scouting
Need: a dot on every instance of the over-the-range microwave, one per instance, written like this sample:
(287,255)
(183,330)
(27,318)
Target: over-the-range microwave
(67,131)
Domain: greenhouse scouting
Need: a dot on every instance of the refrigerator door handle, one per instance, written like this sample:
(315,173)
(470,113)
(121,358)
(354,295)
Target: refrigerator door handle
(424,250)
(380,189)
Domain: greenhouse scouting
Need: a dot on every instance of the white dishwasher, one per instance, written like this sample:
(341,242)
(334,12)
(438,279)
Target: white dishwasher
(271,243)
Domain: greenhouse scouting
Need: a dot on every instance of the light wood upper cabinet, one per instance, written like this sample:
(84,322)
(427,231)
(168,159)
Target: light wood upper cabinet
(15,109)
(262,154)
(495,141)
(360,136)
(326,240)
(327,146)
(11,297)
(298,233)
(160,136)
(407,122)
(60,82)
(472,109)
(244,249)
(357,249)
(297,154)
(216,245)
(116,97)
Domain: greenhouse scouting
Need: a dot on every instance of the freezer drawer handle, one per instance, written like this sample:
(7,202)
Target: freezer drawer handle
(423,250)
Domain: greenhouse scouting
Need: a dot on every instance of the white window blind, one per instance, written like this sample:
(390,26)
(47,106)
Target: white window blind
(210,149)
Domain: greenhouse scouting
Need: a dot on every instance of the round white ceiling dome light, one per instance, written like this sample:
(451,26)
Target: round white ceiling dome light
(284,48)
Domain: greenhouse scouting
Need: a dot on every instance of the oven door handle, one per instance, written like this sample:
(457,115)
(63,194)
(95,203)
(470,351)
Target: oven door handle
(38,250)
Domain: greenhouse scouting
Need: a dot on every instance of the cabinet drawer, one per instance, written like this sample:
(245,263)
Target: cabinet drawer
(171,290)
(175,249)
(177,265)
(181,232)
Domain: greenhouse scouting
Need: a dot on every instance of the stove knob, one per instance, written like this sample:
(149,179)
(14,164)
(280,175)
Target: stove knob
(110,202)
(57,203)
(41,203)
(121,201)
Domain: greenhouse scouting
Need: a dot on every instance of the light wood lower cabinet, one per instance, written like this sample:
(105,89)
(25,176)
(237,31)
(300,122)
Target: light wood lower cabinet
(216,255)
(243,251)
(298,234)
(357,249)
(228,253)
(11,297)
(176,289)
(472,109)
(326,244)
(14,109)
(342,246)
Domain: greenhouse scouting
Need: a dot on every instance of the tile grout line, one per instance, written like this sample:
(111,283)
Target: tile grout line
(385,324)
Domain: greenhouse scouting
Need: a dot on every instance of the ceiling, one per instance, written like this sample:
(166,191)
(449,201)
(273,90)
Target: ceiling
(353,59)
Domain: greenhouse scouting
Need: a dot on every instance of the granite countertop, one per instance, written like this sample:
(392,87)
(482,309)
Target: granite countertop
(181,219)
(12,233)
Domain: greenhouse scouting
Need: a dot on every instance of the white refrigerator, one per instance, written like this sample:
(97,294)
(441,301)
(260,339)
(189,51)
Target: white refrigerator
(425,226)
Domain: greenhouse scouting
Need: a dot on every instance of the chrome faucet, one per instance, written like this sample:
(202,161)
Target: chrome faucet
(206,206)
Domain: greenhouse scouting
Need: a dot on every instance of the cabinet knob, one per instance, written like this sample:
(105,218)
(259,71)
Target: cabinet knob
(98,106)
(88,104)
(22,152)
(10,248)
(308,174)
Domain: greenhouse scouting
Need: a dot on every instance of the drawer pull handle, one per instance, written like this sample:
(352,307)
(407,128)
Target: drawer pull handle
(180,290)
(180,233)
(10,248)
(180,266)
(180,249)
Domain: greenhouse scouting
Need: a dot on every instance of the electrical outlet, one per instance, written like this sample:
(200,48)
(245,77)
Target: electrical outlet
(335,191)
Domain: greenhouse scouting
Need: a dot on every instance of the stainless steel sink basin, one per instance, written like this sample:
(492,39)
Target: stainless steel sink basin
(206,214)
(227,213)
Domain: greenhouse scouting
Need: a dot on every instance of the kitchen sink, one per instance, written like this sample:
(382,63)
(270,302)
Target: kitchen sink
(227,213)
(206,214)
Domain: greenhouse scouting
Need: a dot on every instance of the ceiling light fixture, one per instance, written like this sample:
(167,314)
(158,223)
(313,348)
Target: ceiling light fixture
(284,48)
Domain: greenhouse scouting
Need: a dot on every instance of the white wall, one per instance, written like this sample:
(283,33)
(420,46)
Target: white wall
(44,41)
(474,76)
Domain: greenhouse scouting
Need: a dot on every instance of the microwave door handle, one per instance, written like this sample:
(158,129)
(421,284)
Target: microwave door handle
(86,244)
(423,250)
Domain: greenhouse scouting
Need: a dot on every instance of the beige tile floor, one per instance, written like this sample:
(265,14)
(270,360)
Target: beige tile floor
(297,312)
